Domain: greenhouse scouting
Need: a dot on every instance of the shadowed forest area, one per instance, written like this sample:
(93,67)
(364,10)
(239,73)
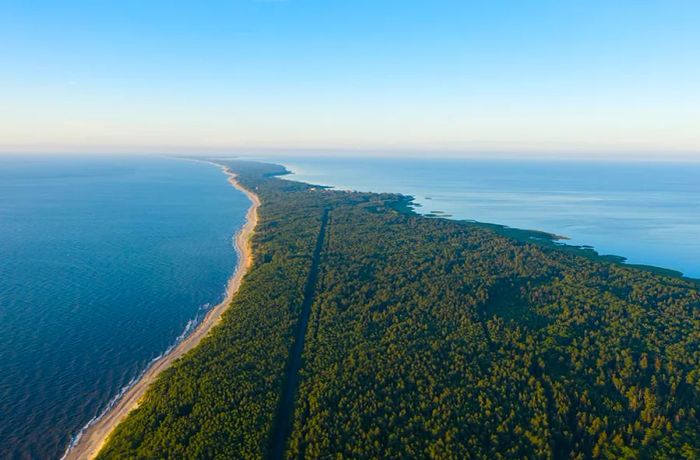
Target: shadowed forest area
(366,331)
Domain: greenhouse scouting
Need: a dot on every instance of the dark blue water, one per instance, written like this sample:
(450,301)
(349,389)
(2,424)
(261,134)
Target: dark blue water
(104,262)
(646,212)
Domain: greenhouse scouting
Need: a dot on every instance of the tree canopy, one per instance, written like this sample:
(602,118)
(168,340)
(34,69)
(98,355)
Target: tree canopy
(426,338)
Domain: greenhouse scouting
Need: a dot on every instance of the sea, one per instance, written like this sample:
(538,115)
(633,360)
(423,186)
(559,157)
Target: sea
(646,212)
(105,263)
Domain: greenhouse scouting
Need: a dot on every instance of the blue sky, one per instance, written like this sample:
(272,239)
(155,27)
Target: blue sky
(566,77)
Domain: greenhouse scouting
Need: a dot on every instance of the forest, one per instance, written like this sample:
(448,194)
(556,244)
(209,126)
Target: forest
(364,330)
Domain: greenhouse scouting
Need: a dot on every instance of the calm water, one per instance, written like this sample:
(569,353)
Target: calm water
(103,264)
(647,212)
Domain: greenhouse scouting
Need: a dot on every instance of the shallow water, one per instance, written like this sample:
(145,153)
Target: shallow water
(104,262)
(646,212)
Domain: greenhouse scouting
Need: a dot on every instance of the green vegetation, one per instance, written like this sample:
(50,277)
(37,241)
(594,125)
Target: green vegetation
(426,338)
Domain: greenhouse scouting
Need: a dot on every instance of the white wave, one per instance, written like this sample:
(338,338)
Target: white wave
(190,326)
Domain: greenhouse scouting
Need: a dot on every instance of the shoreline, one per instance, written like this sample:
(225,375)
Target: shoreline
(95,434)
(545,238)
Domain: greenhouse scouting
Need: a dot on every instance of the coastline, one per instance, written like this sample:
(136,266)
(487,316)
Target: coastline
(544,238)
(90,442)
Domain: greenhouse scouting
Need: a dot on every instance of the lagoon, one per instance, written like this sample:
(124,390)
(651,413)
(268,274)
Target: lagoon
(647,212)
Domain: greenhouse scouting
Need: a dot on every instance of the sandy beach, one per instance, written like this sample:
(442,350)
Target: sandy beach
(95,435)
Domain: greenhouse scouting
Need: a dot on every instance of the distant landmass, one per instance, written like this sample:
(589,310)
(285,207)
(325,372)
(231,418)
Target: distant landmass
(363,330)
(648,213)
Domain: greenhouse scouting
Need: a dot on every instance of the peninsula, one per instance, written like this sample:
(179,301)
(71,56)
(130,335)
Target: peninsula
(363,330)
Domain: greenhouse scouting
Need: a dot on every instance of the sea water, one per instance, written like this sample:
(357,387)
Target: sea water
(647,212)
(104,263)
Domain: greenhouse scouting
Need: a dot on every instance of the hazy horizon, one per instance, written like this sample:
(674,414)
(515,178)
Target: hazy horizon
(287,154)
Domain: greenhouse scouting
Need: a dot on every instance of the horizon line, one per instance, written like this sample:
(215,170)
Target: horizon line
(548,153)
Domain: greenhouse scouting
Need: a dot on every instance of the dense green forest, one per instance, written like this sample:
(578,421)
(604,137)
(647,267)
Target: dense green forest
(366,331)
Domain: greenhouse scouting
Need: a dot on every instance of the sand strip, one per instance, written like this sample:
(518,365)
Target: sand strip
(95,435)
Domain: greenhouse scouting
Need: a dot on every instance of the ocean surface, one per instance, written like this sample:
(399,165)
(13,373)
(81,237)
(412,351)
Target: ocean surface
(646,212)
(104,263)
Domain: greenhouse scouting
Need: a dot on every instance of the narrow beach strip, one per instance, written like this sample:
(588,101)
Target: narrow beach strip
(94,436)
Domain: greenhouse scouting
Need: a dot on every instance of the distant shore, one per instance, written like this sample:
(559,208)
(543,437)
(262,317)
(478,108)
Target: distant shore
(95,435)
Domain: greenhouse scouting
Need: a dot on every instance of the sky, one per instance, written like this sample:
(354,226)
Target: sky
(606,78)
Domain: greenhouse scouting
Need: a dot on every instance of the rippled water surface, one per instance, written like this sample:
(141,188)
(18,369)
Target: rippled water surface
(104,262)
(646,212)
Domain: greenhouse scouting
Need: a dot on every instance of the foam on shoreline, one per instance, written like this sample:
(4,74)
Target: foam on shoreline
(90,439)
